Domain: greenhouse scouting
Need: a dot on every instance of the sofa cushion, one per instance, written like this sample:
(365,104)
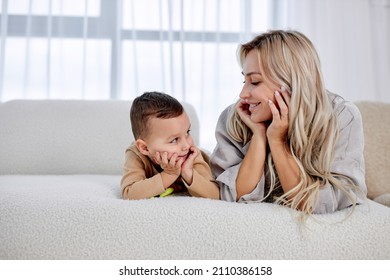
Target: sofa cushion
(67,136)
(83,217)
(376,123)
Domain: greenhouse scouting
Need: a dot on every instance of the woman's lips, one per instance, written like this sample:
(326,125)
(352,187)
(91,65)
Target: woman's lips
(252,107)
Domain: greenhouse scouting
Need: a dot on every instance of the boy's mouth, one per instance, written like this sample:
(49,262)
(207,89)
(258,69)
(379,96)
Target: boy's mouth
(185,155)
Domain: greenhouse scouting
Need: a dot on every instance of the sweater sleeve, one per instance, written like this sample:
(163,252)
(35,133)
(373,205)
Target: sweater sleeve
(348,162)
(135,183)
(225,163)
(203,184)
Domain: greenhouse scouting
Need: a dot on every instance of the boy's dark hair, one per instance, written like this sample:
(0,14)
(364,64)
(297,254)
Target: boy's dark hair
(152,105)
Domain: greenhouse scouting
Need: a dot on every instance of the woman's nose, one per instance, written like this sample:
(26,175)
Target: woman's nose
(244,94)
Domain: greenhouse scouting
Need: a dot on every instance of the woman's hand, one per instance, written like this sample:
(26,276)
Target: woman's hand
(285,164)
(277,131)
(252,166)
(242,109)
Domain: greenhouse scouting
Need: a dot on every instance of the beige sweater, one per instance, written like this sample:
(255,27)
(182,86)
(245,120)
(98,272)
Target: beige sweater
(142,179)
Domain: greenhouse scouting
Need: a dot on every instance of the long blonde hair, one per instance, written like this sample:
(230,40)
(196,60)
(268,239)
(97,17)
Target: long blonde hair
(289,59)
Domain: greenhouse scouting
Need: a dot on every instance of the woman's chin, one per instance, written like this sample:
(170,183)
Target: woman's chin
(255,118)
(259,118)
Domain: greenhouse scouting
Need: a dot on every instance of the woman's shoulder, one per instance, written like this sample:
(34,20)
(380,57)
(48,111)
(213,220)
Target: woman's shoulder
(346,111)
(224,138)
(225,113)
(223,119)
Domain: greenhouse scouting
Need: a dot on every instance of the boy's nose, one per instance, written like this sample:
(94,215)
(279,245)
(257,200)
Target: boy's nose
(186,145)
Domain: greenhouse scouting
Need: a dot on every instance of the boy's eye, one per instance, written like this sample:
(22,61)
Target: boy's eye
(188,132)
(174,141)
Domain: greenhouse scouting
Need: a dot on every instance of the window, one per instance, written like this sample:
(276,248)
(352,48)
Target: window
(117,49)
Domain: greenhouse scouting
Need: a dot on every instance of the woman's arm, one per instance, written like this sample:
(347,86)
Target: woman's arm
(226,161)
(348,164)
(286,166)
(252,166)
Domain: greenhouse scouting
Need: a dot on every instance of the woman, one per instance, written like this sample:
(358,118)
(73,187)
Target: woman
(287,140)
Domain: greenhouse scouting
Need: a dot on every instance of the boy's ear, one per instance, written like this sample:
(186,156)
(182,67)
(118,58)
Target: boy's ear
(142,147)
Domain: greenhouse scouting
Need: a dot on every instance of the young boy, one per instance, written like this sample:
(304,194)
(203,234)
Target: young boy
(164,154)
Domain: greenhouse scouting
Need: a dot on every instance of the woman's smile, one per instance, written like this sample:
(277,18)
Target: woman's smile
(253,106)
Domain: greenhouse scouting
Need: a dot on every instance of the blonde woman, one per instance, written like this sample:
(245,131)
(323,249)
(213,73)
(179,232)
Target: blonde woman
(288,140)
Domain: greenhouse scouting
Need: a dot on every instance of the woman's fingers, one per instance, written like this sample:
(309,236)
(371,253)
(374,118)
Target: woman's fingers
(286,95)
(282,105)
(274,111)
(279,109)
(282,98)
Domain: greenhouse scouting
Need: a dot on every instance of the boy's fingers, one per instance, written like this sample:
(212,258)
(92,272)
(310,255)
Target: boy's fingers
(164,158)
(194,154)
(157,157)
(173,159)
(180,162)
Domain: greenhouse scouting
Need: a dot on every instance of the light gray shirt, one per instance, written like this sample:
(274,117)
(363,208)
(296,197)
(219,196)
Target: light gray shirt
(227,156)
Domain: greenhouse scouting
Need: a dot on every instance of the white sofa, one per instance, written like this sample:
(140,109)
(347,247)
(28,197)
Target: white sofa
(60,170)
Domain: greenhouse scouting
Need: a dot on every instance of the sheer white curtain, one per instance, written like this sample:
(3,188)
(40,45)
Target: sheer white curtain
(117,49)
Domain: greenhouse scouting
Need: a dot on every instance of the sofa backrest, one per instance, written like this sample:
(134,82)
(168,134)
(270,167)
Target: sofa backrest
(376,123)
(67,136)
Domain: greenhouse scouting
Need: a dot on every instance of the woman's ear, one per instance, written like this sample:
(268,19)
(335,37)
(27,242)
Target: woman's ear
(142,147)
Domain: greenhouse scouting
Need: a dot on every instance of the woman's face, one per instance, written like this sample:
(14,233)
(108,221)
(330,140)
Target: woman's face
(256,91)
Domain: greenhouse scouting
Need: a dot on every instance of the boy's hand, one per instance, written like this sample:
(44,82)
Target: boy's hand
(188,165)
(171,166)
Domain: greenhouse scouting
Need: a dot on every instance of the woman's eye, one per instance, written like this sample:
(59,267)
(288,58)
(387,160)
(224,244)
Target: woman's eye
(255,83)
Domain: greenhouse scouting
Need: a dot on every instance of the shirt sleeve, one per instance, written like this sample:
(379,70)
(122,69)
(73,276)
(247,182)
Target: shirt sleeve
(135,183)
(203,183)
(349,162)
(225,163)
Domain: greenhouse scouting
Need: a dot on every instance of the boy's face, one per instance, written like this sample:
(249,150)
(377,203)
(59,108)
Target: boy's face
(167,135)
